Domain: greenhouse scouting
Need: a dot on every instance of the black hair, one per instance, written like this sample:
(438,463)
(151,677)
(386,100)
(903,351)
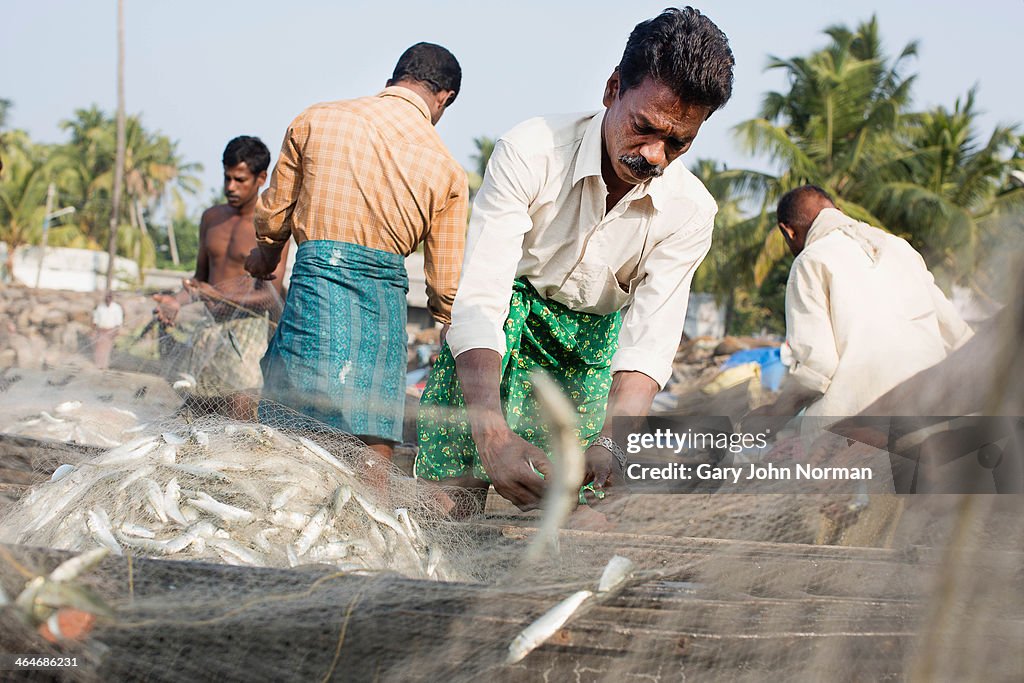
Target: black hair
(249,149)
(432,65)
(684,50)
(792,209)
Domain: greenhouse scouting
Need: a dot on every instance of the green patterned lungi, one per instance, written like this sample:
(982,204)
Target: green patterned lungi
(575,349)
(225,356)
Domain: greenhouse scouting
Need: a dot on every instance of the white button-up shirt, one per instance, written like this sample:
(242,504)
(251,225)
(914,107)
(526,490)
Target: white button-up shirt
(863,314)
(108,317)
(540,214)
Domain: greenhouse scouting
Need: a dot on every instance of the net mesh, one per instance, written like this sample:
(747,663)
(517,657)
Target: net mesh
(241,551)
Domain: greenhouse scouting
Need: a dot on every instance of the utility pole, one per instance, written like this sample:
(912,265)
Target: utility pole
(51,191)
(115,209)
(51,195)
(171,241)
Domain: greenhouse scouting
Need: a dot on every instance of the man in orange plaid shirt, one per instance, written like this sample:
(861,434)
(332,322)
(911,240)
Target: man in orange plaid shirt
(360,184)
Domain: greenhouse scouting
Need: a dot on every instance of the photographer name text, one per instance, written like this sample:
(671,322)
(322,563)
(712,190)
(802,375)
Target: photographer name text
(735,474)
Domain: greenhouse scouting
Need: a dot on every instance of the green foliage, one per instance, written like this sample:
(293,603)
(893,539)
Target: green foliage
(846,125)
(154,170)
(82,169)
(484,149)
(186,236)
(28,170)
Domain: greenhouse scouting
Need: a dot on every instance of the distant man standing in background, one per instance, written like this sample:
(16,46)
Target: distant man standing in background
(224,356)
(360,184)
(106,320)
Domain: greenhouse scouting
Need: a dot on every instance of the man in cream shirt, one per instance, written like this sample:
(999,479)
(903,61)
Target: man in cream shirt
(863,312)
(579,218)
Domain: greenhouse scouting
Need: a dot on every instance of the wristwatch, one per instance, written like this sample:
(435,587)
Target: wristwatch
(609,444)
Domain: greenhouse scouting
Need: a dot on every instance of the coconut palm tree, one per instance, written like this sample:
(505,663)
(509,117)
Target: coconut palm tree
(728,270)
(946,197)
(154,169)
(835,127)
(28,169)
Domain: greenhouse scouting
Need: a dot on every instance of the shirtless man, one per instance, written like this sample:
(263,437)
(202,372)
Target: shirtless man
(225,355)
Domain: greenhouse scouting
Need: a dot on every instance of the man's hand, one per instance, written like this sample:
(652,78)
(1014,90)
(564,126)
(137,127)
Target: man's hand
(167,308)
(507,460)
(261,264)
(599,464)
(202,290)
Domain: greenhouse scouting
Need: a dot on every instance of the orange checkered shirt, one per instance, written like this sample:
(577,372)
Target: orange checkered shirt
(374,172)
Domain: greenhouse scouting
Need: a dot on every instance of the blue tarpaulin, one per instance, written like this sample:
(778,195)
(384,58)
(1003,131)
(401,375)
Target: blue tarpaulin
(772,369)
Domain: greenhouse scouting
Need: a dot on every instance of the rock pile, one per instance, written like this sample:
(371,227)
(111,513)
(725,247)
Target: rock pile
(45,327)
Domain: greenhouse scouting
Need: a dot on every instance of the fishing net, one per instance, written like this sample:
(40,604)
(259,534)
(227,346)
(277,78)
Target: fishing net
(151,528)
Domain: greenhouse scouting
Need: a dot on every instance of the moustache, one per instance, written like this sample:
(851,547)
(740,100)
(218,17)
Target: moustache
(640,167)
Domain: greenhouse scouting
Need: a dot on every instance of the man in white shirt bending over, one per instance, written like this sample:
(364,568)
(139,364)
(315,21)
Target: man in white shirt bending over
(579,217)
(863,312)
(107,319)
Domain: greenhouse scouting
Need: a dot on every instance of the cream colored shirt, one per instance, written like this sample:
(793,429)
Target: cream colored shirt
(540,214)
(863,314)
(108,317)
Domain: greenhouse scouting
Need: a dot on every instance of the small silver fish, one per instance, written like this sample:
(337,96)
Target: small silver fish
(99,525)
(173,439)
(330,552)
(537,633)
(74,567)
(228,513)
(282,497)
(130,452)
(137,474)
(136,530)
(61,472)
(237,550)
(379,515)
(402,515)
(311,532)
(155,498)
(289,520)
(261,540)
(617,570)
(342,495)
(324,455)
(172,494)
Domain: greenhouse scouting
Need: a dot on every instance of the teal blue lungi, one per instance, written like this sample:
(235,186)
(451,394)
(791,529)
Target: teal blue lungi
(338,355)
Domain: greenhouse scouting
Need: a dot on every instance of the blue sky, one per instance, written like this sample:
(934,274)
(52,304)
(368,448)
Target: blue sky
(203,72)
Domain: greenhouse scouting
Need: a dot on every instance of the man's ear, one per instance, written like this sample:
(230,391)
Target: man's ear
(443,97)
(789,232)
(261,178)
(611,88)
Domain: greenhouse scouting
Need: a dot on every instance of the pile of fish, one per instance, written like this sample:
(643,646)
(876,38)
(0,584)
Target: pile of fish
(69,422)
(239,493)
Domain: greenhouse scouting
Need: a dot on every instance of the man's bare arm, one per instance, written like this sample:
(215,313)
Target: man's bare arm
(168,305)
